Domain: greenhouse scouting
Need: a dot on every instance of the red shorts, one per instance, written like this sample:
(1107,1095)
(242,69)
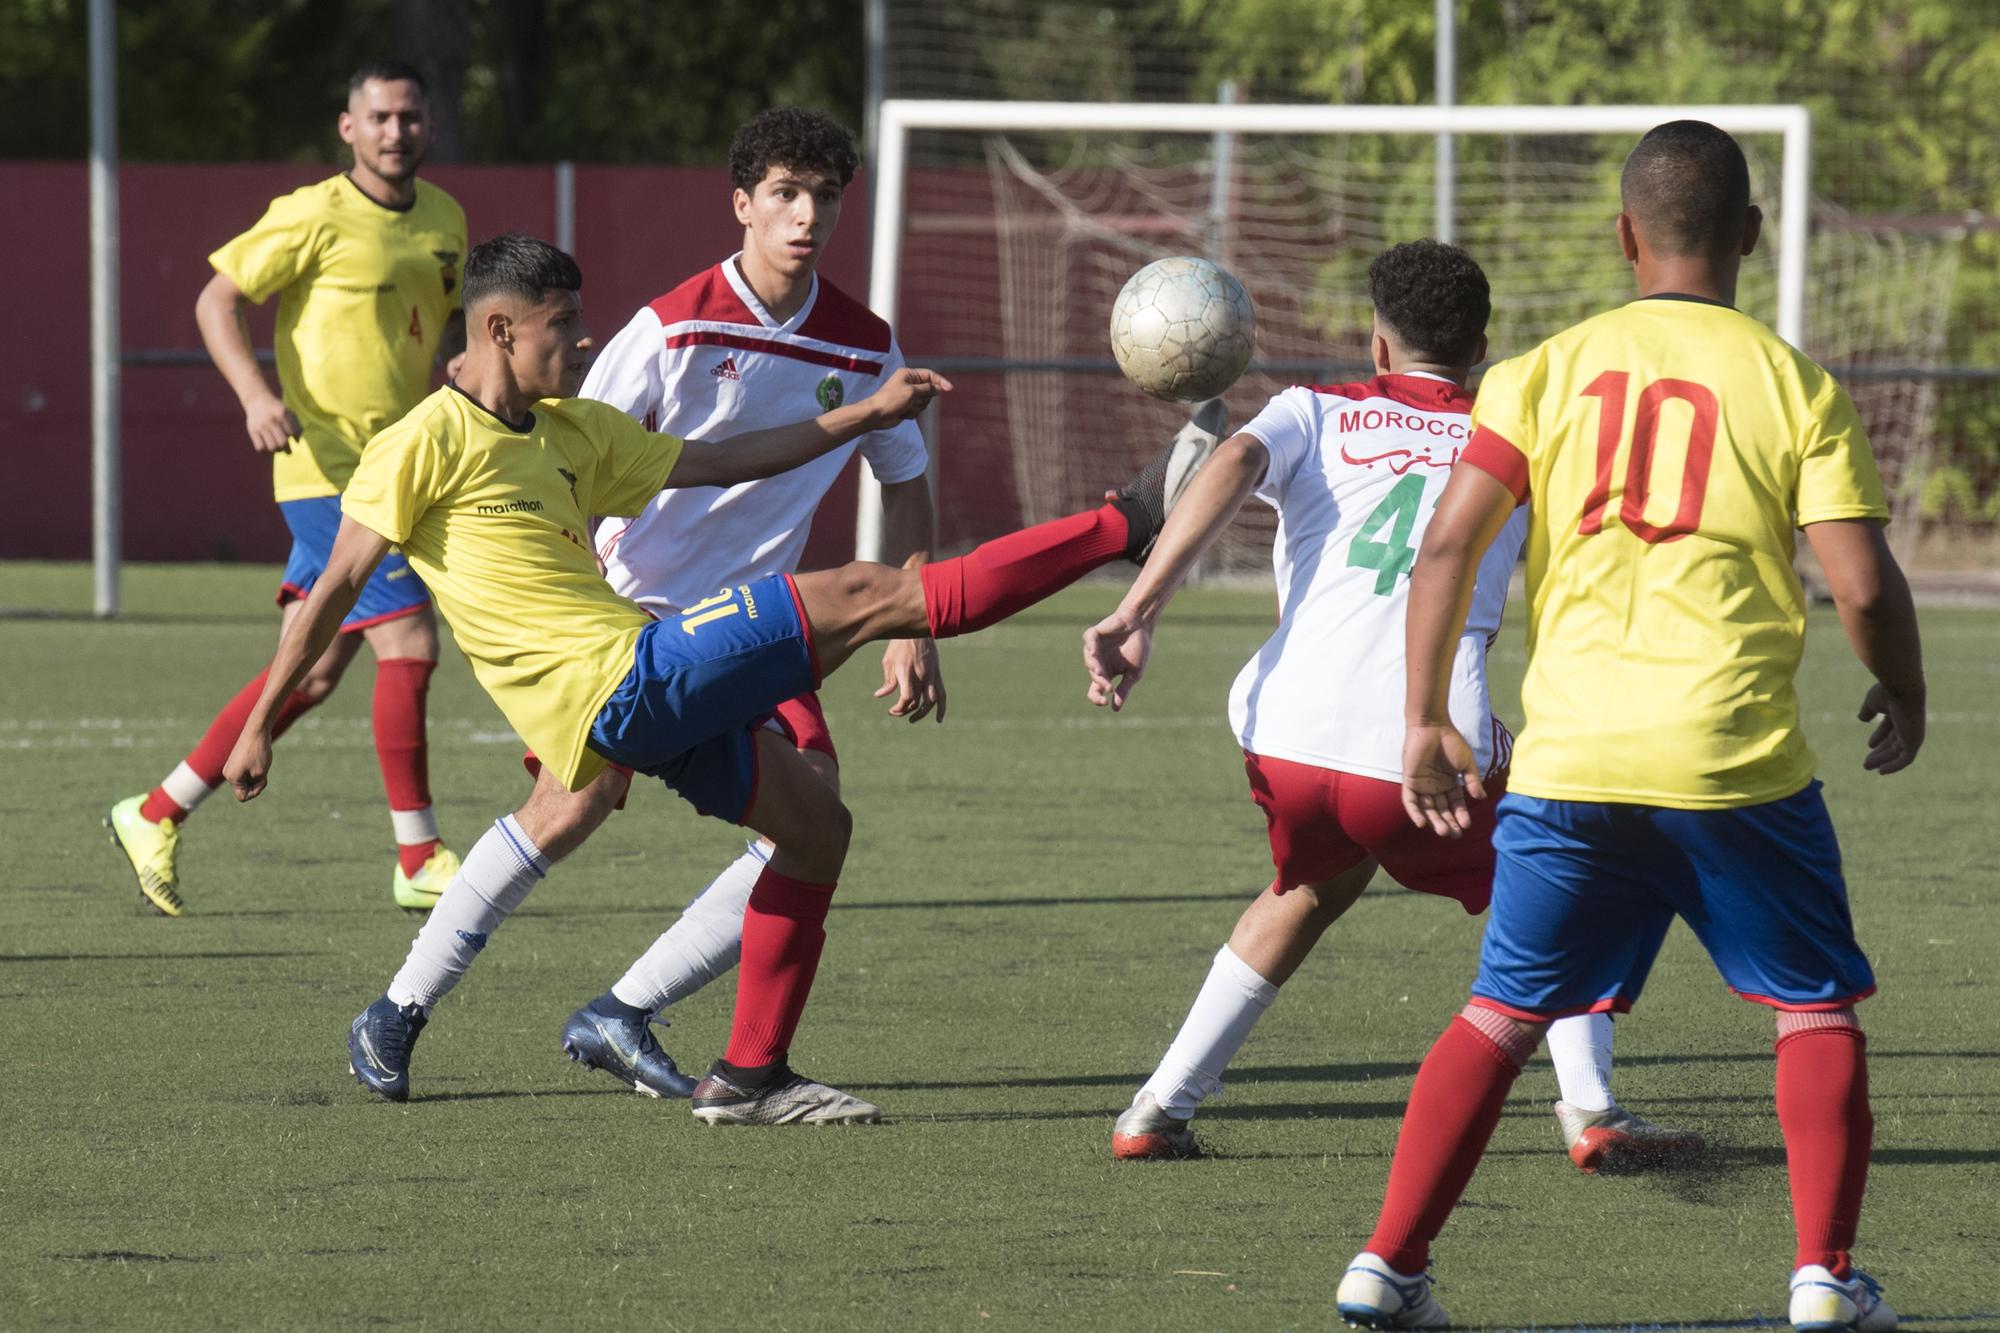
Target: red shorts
(1323,821)
(803,721)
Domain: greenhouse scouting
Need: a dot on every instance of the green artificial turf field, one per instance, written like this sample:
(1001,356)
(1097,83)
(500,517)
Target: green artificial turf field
(1033,897)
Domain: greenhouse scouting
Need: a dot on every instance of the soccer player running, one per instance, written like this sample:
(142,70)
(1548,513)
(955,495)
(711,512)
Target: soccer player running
(746,344)
(1354,471)
(1670,448)
(365,268)
(486,486)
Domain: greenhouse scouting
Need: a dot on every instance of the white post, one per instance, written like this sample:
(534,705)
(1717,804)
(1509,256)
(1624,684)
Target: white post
(105,455)
(885,252)
(1222,179)
(1794,227)
(1444,222)
(566,207)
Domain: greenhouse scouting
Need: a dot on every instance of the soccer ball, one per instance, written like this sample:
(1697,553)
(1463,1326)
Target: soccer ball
(1182,329)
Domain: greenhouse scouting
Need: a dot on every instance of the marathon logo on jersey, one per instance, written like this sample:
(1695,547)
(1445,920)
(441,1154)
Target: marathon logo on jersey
(510,507)
(1401,438)
(727,370)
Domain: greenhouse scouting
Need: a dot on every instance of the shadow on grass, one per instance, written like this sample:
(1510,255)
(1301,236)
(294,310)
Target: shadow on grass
(506,1094)
(210,956)
(1249,1073)
(1757,1321)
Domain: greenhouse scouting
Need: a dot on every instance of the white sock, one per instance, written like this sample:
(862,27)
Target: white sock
(496,875)
(414,826)
(1581,1049)
(1231,1001)
(186,788)
(702,945)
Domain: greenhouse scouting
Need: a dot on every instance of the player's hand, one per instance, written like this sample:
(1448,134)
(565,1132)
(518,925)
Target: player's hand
(249,764)
(1439,772)
(1115,650)
(1893,745)
(908,392)
(270,425)
(910,671)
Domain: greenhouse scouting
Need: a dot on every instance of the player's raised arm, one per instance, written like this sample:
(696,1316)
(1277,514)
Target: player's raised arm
(356,552)
(1873,598)
(1470,514)
(1116,648)
(225,332)
(765,453)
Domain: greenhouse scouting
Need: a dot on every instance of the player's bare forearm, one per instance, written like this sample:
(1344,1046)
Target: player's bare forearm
(219,312)
(766,453)
(1873,599)
(909,522)
(910,668)
(1470,514)
(1211,503)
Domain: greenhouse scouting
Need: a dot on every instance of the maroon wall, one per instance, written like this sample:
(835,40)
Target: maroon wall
(193,490)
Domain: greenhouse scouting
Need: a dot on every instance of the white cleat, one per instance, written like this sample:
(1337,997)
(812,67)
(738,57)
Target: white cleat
(1374,1295)
(1821,1301)
(1617,1140)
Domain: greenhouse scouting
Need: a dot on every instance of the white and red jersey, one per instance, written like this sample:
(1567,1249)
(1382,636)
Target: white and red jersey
(706,361)
(1356,471)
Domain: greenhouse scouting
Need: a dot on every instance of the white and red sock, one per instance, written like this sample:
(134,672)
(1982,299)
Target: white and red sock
(1230,1002)
(402,686)
(1829,1129)
(201,772)
(1580,1049)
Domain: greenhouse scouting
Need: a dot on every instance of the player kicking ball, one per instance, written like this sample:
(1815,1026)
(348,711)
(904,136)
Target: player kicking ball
(1671,448)
(365,268)
(486,487)
(1354,471)
(754,341)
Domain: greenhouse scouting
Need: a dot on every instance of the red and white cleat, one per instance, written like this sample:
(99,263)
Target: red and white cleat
(1146,1133)
(1616,1140)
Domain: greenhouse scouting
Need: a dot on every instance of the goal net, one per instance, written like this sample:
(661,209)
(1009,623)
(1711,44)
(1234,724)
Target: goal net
(1003,247)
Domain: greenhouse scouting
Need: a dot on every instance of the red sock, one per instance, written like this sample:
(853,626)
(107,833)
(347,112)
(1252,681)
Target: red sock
(1453,1108)
(783,932)
(212,751)
(1823,1110)
(401,686)
(1004,575)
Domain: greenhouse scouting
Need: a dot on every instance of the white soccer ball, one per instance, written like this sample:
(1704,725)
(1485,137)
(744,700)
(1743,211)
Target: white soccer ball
(1182,329)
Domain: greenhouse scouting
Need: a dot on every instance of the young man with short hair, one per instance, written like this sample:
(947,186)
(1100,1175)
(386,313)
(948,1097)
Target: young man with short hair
(1353,471)
(1671,448)
(486,487)
(365,268)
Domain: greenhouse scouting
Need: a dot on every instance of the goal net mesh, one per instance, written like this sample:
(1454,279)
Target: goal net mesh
(1014,247)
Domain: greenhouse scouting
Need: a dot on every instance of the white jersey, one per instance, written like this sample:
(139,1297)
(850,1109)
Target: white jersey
(707,361)
(1356,471)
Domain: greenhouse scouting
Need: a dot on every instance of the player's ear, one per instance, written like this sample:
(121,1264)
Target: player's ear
(1628,238)
(1753,227)
(499,326)
(1479,351)
(740,200)
(345,123)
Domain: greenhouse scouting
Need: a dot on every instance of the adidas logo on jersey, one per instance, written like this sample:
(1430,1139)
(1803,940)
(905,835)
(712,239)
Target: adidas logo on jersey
(727,370)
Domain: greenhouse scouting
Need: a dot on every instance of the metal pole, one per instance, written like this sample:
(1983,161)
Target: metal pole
(566,207)
(884,260)
(875,70)
(1221,181)
(1445,219)
(1794,227)
(105,508)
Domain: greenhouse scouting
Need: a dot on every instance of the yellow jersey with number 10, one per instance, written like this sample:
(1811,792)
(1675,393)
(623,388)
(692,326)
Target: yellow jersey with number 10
(491,516)
(363,294)
(1669,449)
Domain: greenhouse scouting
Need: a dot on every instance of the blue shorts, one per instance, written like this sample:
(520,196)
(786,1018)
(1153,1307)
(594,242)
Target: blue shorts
(393,590)
(1583,892)
(702,683)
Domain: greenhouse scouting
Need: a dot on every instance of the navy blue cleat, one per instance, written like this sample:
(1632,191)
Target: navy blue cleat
(617,1039)
(379,1045)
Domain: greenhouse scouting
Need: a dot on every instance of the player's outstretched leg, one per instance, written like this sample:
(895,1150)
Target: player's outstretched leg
(147,828)
(1454,1106)
(1271,939)
(1829,1129)
(784,932)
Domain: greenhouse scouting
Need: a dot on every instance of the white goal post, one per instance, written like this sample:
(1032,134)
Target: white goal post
(899,117)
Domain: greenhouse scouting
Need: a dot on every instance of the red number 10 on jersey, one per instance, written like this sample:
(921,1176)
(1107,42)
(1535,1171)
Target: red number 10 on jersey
(1610,389)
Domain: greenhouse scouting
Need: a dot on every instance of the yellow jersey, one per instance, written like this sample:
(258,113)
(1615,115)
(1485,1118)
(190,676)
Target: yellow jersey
(492,517)
(364,292)
(1669,449)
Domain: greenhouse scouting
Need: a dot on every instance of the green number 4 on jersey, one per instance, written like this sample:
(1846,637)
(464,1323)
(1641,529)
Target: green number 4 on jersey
(1392,555)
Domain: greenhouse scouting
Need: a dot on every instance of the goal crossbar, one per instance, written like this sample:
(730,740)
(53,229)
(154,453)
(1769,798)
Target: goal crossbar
(900,116)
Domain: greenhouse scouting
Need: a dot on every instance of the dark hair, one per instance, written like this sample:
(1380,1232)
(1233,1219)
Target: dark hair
(518,265)
(1433,297)
(1688,188)
(790,136)
(388,71)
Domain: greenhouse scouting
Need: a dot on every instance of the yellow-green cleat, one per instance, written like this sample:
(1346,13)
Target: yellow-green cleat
(150,848)
(420,892)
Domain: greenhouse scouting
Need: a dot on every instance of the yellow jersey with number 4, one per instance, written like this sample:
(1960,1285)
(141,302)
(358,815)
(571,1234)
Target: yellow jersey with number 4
(491,516)
(1670,449)
(363,294)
